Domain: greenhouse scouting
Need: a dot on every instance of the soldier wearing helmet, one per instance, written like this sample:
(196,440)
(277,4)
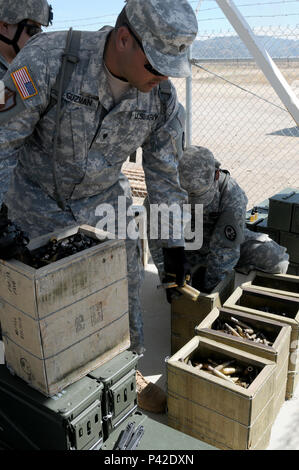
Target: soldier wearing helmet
(20,20)
(227,243)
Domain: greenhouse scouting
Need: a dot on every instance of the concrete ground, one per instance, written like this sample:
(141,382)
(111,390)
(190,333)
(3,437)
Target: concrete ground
(157,329)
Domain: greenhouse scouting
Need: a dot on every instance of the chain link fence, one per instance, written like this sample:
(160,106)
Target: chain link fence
(237,114)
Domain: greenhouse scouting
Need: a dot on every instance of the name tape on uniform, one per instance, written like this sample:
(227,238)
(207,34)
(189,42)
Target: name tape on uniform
(24,83)
(78,99)
(144,116)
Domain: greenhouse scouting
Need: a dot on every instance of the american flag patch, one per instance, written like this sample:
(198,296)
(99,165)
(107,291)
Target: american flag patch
(24,83)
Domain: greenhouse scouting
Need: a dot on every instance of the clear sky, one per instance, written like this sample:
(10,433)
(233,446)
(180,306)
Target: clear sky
(93,14)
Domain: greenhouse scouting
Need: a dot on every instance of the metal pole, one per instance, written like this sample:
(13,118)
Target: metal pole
(189,94)
(189,106)
(262,57)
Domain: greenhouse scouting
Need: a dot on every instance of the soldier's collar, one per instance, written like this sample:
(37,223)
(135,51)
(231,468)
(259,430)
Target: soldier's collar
(95,67)
(4,61)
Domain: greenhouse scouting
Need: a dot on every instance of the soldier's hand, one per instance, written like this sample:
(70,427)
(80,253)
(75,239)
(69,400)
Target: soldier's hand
(12,240)
(175,263)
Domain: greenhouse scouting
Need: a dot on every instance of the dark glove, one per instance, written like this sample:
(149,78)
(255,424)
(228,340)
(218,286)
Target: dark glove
(198,278)
(175,262)
(172,294)
(12,240)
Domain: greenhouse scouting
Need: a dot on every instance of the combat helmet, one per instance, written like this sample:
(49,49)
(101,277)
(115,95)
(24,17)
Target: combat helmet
(15,11)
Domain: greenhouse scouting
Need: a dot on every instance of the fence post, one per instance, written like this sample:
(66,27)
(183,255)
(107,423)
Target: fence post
(189,105)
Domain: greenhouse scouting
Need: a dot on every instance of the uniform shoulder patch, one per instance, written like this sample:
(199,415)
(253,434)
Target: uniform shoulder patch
(230,233)
(24,83)
(9,100)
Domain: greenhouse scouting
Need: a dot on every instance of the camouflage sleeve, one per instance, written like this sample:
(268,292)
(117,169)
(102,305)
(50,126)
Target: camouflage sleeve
(153,243)
(3,70)
(228,234)
(161,154)
(25,98)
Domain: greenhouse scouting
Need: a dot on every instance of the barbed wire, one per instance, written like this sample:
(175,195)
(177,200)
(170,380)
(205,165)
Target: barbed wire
(114,15)
(251,5)
(195,63)
(87,19)
(250,16)
(102,23)
(80,26)
(273,2)
(270,31)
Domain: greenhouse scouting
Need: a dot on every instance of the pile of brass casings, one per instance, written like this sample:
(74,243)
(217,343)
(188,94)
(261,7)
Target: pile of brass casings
(55,250)
(229,370)
(239,329)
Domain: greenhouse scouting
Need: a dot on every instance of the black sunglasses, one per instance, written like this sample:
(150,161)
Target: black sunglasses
(148,67)
(32,29)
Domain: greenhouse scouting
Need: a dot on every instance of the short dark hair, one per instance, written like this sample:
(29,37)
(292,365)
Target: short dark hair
(122,19)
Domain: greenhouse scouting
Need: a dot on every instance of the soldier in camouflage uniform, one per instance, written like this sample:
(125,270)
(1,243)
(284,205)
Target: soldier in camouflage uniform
(20,20)
(3,66)
(227,243)
(111,106)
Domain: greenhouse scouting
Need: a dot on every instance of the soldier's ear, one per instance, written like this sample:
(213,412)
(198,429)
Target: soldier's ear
(217,174)
(5,29)
(123,39)
(3,26)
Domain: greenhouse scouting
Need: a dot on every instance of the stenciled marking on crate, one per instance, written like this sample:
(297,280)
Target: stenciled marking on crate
(67,285)
(8,280)
(18,327)
(66,281)
(26,369)
(94,314)
(79,323)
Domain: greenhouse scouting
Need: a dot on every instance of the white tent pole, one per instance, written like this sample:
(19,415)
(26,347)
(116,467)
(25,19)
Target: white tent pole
(262,57)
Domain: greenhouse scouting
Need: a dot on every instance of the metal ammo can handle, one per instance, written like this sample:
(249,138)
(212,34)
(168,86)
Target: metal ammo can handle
(289,195)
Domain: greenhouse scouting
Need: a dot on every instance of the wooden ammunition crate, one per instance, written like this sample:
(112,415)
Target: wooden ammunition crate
(283,284)
(285,309)
(187,314)
(213,410)
(278,333)
(63,320)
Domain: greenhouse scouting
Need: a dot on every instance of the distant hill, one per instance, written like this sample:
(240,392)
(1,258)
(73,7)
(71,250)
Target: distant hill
(231,47)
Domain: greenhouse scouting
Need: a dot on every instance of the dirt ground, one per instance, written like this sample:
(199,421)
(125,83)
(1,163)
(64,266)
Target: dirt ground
(242,121)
